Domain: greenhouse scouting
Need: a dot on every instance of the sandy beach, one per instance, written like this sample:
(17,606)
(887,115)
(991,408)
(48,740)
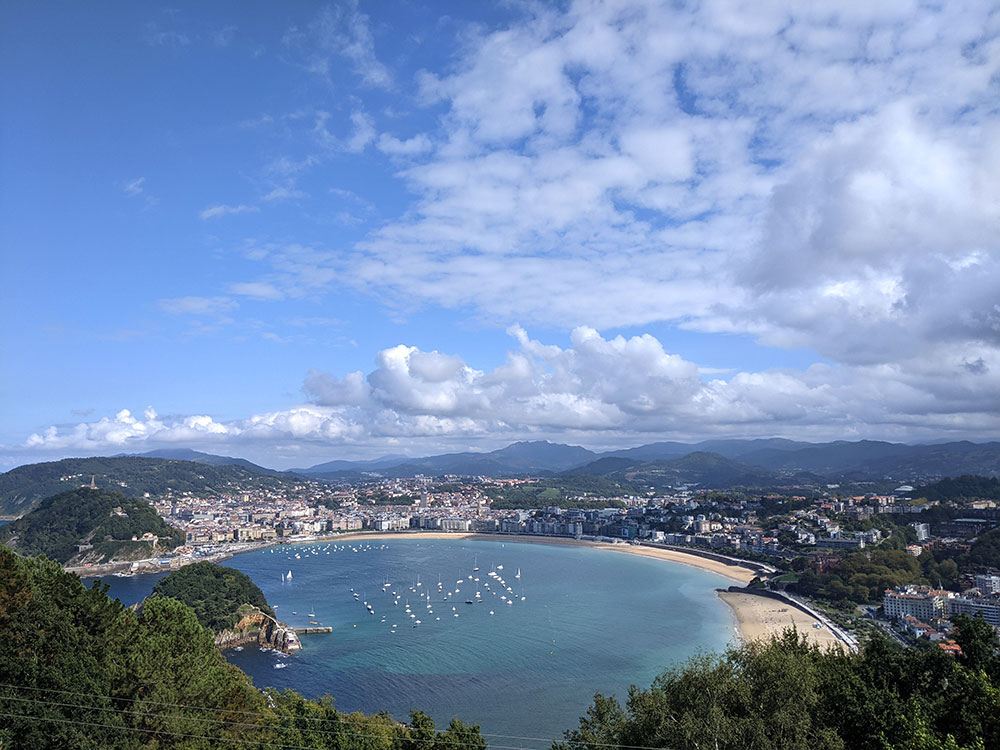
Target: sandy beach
(760,617)
(735,572)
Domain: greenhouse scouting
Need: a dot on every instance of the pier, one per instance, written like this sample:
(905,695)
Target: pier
(313,630)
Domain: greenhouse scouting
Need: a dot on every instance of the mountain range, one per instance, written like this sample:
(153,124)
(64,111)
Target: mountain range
(762,460)
(708,464)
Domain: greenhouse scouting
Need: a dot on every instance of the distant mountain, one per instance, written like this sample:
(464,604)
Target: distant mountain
(209,459)
(518,458)
(21,489)
(775,458)
(922,462)
(701,468)
(103,523)
(727,448)
(373,464)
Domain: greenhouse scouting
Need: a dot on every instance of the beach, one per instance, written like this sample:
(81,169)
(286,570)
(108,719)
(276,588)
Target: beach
(760,617)
(734,572)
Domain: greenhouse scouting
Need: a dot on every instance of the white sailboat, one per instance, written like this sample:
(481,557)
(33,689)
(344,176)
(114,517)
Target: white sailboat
(289,576)
(518,574)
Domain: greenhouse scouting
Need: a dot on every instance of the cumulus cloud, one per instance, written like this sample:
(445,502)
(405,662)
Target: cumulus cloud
(816,176)
(594,390)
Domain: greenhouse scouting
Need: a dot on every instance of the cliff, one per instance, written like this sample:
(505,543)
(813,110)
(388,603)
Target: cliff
(257,627)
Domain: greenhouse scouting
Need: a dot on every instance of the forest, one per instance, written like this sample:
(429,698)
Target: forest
(104,519)
(214,592)
(784,694)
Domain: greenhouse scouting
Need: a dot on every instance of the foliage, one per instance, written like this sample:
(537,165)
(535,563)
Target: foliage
(79,670)
(862,577)
(60,523)
(573,491)
(985,552)
(786,694)
(966,487)
(214,592)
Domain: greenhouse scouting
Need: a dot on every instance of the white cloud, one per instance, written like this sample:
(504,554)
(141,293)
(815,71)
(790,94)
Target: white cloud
(213,212)
(256,290)
(134,187)
(198,305)
(393,146)
(340,30)
(822,177)
(594,391)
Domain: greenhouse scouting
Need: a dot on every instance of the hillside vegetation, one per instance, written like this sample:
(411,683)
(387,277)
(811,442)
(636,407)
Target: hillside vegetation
(105,520)
(21,489)
(787,695)
(214,592)
(569,491)
(79,670)
(966,487)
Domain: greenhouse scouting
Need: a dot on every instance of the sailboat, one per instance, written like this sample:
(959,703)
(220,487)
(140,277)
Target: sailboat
(289,576)
(312,612)
(518,574)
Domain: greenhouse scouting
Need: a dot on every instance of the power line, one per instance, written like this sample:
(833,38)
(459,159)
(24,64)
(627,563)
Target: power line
(306,718)
(158,731)
(277,727)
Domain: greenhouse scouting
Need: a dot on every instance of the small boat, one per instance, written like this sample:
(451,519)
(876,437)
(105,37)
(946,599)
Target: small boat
(289,576)
(518,574)
(282,665)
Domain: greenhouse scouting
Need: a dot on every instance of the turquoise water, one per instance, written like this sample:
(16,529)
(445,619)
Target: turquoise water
(591,620)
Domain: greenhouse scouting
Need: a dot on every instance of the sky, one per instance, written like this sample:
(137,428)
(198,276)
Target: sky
(296,232)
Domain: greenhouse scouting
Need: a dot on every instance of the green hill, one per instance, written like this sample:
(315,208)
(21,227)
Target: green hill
(214,592)
(967,487)
(108,521)
(23,488)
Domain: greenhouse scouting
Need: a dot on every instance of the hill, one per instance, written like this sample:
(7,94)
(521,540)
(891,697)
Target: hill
(968,487)
(527,457)
(110,523)
(214,592)
(23,488)
(702,469)
(209,459)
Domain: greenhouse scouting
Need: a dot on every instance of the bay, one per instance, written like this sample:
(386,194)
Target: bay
(591,620)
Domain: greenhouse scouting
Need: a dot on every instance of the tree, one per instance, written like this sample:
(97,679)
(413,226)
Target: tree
(978,640)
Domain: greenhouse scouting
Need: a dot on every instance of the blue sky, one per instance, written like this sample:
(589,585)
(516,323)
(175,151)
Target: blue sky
(297,232)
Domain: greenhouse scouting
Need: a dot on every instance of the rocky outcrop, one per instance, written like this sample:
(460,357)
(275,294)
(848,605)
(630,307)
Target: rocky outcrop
(264,630)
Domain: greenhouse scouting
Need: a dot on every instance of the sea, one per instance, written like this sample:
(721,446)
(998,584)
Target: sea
(549,626)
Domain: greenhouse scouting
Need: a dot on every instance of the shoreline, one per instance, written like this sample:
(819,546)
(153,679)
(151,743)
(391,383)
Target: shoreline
(753,616)
(734,572)
(759,617)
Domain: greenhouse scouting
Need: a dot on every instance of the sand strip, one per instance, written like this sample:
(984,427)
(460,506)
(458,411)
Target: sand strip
(761,617)
(736,573)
